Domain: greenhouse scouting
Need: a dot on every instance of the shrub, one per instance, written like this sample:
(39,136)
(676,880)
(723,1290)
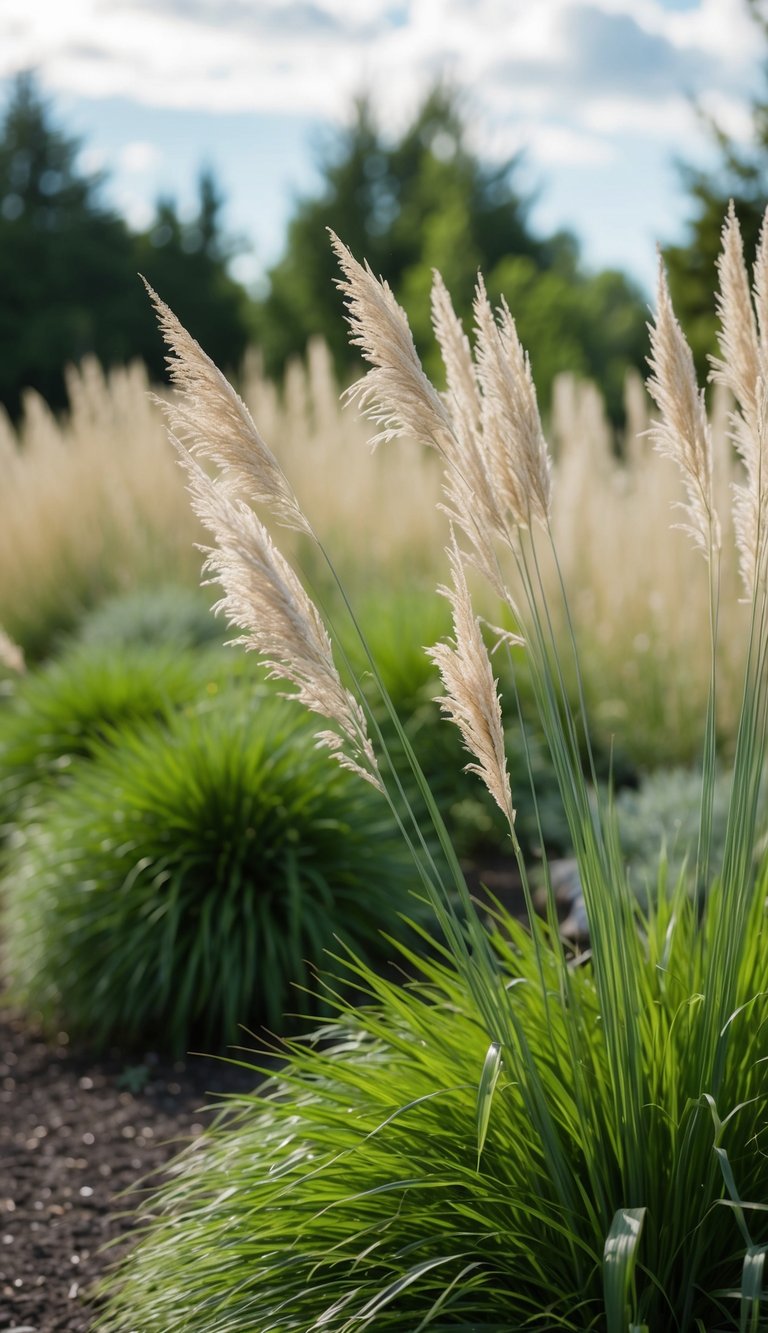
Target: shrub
(179,884)
(526,1143)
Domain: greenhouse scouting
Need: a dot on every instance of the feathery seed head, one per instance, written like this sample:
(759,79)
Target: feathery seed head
(743,368)
(264,598)
(518,458)
(738,367)
(471,697)
(683,432)
(396,393)
(215,423)
(761,286)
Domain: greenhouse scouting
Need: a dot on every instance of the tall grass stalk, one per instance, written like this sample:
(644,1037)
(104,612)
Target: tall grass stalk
(515,1143)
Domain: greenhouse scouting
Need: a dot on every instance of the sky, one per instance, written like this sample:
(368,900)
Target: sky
(599,95)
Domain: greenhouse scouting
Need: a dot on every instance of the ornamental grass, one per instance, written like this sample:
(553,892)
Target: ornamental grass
(518,1139)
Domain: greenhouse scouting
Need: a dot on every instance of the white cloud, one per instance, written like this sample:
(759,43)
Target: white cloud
(671,119)
(138,157)
(549,144)
(570,74)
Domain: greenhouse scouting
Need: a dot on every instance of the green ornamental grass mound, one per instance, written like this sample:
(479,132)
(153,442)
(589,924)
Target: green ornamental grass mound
(402,1173)
(59,712)
(190,874)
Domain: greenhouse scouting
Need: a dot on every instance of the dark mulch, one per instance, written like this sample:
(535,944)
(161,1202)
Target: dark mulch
(73,1135)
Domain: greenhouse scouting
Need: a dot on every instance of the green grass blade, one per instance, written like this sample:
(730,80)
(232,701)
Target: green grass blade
(619,1259)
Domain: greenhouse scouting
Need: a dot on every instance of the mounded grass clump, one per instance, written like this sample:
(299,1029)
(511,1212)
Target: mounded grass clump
(59,712)
(172,614)
(394,1175)
(190,874)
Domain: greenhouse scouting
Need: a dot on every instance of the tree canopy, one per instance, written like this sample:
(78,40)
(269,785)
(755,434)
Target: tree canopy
(408,203)
(741,175)
(69,265)
(425,200)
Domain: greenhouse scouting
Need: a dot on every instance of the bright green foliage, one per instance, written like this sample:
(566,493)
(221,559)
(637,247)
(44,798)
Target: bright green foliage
(191,873)
(425,201)
(62,711)
(350,1185)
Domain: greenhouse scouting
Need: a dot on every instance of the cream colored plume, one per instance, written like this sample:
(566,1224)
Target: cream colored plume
(471,698)
(743,368)
(683,432)
(517,454)
(396,393)
(213,421)
(262,595)
(471,499)
(11,655)
(264,598)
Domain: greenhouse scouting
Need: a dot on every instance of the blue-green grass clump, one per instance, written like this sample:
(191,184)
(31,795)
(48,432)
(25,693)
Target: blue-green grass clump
(190,873)
(174,615)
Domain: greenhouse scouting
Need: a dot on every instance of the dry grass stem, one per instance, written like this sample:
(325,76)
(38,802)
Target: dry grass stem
(264,598)
(471,697)
(683,432)
(214,422)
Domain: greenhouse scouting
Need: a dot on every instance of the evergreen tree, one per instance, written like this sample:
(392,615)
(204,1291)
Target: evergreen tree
(69,265)
(741,175)
(187,264)
(425,200)
(67,275)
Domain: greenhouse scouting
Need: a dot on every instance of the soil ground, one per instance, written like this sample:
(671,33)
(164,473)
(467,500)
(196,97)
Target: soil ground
(74,1135)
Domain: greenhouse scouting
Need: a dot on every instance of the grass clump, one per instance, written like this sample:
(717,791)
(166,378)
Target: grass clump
(190,875)
(173,614)
(378,1182)
(517,1142)
(58,713)
(661,818)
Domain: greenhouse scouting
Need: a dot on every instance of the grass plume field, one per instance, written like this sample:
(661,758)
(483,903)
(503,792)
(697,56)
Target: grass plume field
(514,1141)
(93,504)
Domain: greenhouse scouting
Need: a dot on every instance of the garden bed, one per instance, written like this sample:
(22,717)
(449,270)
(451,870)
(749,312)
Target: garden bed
(73,1136)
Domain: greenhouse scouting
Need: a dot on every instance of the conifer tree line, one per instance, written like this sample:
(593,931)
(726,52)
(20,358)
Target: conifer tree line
(408,203)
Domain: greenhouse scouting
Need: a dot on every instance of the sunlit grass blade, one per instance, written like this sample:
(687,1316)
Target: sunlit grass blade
(492,1066)
(619,1262)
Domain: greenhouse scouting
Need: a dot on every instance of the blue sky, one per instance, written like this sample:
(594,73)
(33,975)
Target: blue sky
(598,93)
